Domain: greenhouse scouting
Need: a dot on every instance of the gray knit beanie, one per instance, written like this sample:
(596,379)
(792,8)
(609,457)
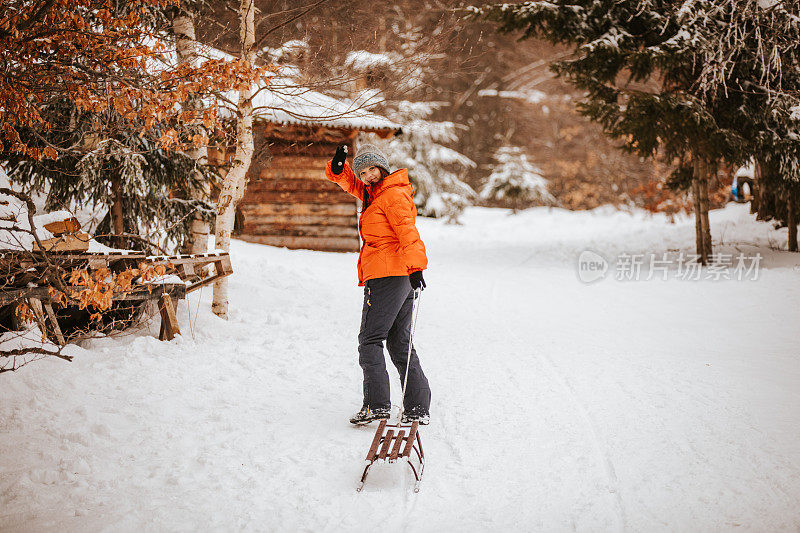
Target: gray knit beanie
(367,156)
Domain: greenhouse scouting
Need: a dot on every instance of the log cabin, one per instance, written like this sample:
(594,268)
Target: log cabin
(288,201)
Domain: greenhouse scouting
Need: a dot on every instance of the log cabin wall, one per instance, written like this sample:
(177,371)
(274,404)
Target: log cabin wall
(288,201)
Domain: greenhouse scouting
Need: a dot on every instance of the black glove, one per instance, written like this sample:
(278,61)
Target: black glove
(416,280)
(337,165)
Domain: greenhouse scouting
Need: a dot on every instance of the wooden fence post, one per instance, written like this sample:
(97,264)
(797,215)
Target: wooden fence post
(169,321)
(48,308)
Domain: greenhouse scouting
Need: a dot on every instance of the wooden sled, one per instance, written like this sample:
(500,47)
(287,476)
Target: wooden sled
(194,267)
(389,438)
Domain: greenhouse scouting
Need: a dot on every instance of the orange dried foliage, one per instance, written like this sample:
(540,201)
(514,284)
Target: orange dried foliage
(80,49)
(98,287)
(657,198)
(24,312)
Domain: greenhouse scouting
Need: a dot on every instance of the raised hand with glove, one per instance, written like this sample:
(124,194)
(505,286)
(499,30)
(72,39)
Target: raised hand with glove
(337,164)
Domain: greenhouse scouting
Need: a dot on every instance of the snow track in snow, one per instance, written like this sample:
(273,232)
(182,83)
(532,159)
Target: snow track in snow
(547,395)
(555,375)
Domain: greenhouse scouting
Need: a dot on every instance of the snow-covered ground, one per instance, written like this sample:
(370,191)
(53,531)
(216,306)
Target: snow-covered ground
(557,405)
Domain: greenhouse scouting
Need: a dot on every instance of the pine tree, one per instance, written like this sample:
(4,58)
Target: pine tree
(515,180)
(121,95)
(142,187)
(104,57)
(425,146)
(750,55)
(432,166)
(648,71)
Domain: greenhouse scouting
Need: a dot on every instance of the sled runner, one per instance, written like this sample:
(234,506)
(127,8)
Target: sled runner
(387,444)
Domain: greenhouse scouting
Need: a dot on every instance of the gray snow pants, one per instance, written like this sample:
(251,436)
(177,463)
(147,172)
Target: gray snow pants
(386,315)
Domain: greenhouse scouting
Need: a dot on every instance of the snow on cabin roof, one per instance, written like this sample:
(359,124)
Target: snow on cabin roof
(283,100)
(360,60)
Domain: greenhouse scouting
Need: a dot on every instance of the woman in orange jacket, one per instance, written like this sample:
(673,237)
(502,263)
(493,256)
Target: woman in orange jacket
(390,267)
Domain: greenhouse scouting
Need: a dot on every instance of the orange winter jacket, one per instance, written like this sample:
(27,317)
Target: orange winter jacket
(391,243)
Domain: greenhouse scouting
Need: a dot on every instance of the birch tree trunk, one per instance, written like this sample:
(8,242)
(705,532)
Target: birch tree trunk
(235,180)
(186,46)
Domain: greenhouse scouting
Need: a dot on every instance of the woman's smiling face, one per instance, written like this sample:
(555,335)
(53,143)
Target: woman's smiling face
(370,175)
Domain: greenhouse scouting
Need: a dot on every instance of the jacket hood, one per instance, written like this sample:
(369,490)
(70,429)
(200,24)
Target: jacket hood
(398,178)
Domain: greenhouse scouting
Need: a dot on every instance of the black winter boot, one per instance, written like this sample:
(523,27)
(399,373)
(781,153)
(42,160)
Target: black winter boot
(367,415)
(416,414)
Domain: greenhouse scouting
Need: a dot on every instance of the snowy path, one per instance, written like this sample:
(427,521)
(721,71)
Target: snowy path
(617,406)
